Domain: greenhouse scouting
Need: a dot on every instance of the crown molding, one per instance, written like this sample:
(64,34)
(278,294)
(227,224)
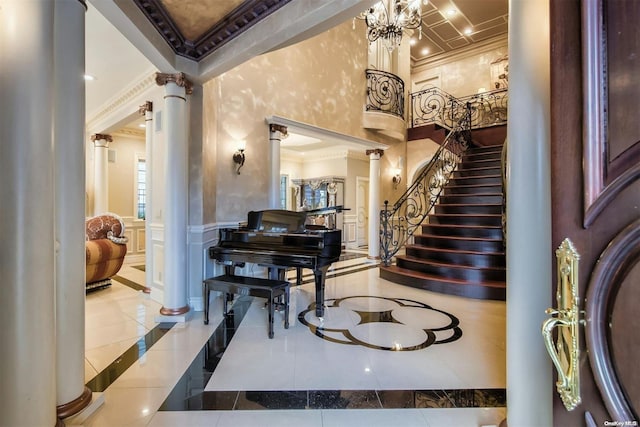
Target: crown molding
(484,46)
(129,132)
(323,155)
(143,83)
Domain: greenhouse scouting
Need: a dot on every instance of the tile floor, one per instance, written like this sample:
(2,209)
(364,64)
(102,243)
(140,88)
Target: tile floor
(384,354)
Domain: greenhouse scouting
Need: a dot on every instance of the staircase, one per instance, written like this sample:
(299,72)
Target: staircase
(460,250)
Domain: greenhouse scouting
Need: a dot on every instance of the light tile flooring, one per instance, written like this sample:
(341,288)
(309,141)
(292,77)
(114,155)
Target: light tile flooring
(350,357)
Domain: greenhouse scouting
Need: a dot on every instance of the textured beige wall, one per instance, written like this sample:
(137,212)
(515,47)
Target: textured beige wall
(319,81)
(419,153)
(122,173)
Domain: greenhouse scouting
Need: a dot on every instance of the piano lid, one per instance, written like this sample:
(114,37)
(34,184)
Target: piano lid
(276,221)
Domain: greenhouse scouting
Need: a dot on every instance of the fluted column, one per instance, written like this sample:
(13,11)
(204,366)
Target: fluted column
(69,148)
(101,173)
(276,134)
(176,197)
(27,260)
(146,109)
(374,202)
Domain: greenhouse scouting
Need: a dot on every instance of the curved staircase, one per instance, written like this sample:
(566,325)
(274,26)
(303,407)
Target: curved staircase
(460,250)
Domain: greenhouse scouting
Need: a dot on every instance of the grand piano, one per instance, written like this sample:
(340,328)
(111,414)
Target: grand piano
(282,239)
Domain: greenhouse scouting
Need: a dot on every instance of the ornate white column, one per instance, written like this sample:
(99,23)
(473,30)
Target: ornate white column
(529,250)
(374,202)
(146,109)
(101,173)
(27,252)
(69,148)
(176,197)
(276,134)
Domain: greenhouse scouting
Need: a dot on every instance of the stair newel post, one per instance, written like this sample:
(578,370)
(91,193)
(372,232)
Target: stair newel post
(384,234)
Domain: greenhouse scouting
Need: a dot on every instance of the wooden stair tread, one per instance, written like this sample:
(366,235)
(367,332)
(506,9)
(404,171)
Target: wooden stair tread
(480,168)
(447,264)
(419,275)
(473,185)
(475,239)
(472,194)
(473,226)
(496,176)
(460,215)
(469,204)
(453,251)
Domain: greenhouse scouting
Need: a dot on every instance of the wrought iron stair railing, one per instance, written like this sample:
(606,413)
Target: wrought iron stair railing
(399,222)
(433,105)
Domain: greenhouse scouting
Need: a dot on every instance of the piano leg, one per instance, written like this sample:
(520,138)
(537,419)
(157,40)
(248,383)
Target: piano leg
(205,294)
(320,274)
(270,303)
(298,276)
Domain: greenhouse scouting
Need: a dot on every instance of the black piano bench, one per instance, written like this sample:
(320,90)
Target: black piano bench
(253,286)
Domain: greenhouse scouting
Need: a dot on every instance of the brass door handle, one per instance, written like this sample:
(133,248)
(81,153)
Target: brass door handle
(565,352)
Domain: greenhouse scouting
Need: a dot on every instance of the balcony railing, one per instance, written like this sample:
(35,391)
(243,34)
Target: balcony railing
(436,106)
(385,93)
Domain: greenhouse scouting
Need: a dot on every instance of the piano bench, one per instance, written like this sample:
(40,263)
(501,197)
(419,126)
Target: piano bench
(252,286)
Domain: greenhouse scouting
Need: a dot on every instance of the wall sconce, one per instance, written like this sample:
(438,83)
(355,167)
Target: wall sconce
(238,156)
(397,177)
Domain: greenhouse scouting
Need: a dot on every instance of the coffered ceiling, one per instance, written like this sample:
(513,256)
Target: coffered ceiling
(448,25)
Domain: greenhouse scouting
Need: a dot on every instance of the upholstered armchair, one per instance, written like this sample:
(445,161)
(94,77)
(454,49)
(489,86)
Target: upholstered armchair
(106,247)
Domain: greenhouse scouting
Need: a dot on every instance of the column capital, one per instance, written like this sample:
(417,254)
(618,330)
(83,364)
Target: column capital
(97,137)
(273,127)
(147,106)
(178,78)
(377,151)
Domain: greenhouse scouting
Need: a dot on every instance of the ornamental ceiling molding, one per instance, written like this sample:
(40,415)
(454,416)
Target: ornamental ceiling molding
(129,132)
(125,97)
(233,24)
(313,156)
(474,49)
(322,155)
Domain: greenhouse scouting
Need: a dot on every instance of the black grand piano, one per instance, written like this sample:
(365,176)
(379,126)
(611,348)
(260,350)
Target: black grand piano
(282,239)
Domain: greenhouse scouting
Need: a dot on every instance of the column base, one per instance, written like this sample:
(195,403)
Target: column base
(373,258)
(174,311)
(179,315)
(79,419)
(71,408)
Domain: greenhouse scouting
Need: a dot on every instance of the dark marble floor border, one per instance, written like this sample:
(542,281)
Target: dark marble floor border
(111,373)
(189,394)
(337,272)
(130,283)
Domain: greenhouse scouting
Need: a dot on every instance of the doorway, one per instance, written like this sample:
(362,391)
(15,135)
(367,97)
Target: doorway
(362,213)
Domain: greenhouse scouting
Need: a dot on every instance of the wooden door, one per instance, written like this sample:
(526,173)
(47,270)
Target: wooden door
(595,160)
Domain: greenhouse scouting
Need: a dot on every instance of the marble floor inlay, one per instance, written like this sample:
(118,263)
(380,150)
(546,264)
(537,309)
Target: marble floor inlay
(399,324)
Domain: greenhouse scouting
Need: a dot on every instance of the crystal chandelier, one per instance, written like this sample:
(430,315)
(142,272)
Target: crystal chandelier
(388,23)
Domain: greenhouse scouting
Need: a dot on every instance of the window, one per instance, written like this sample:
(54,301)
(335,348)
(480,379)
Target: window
(283,191)
(141,188)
